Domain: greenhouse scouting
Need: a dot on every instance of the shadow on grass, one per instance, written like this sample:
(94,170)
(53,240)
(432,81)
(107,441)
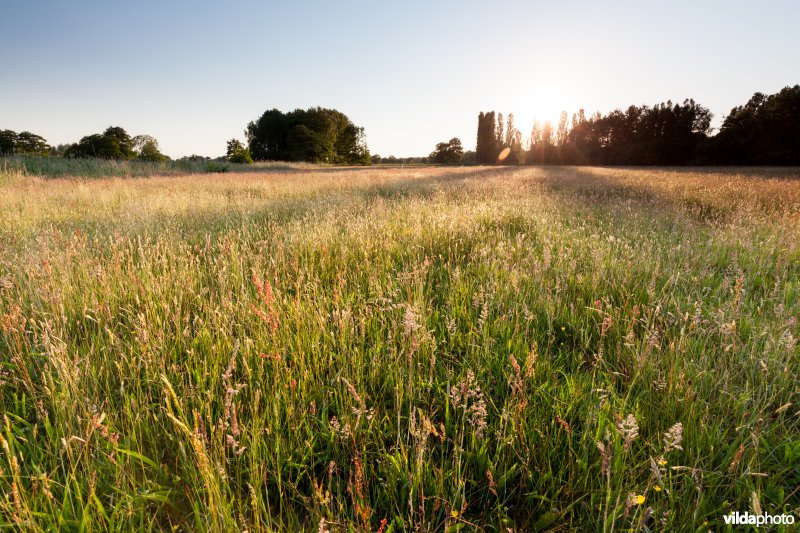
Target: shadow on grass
(596,188)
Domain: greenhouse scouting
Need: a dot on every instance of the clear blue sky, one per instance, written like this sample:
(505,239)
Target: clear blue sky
(193,74)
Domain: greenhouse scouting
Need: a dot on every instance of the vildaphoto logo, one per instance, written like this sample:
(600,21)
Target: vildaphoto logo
(764,519)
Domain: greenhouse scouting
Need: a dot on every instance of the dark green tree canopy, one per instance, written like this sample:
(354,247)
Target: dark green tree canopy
(31,144)
(115,143)
(487,147)
(22,143)
(448,153)
(316,135)
(766,130)
(146,148)
(125,142)
(237,153)
(8,141)
(96,145)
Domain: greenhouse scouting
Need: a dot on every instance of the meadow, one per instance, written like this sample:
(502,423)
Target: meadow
(393,349)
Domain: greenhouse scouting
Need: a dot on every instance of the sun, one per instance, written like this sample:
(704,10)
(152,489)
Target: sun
(546,104)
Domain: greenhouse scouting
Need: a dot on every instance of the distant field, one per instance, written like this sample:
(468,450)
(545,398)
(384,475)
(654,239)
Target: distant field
(399,348)
(62,167)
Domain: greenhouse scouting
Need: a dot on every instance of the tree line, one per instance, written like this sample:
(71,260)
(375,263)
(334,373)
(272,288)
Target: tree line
(764,131)
(377,159)
(315,135)
(113,143)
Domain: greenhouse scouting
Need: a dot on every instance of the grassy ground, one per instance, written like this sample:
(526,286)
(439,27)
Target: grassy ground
(59,167)
(396,349)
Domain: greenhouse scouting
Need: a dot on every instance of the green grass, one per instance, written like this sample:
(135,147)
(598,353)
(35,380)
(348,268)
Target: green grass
(436,348)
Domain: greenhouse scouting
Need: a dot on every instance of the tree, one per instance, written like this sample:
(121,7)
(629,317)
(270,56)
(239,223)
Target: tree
(147,149)
(31,144)
(541,150)
(194,158)
(513,141)
(150,152)
(316,135)
(22,143)
(96,145)
(499,137)
(237,153)
(124,141)
(267,136)
(547,133)
(448,153)
(665,134)
(59,150)
(766,130)
(561,133)
(8,142)
(114,143)
(486,147)
(351,146)
(510,129)
(303,144)
(535,142)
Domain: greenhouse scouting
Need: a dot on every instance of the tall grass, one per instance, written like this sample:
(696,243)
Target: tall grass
(60,167)
(397,349)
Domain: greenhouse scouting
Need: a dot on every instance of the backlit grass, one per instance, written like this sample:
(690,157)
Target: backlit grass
(399,349)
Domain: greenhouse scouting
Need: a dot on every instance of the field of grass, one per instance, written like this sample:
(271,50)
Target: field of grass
(400,349)
(58,167)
